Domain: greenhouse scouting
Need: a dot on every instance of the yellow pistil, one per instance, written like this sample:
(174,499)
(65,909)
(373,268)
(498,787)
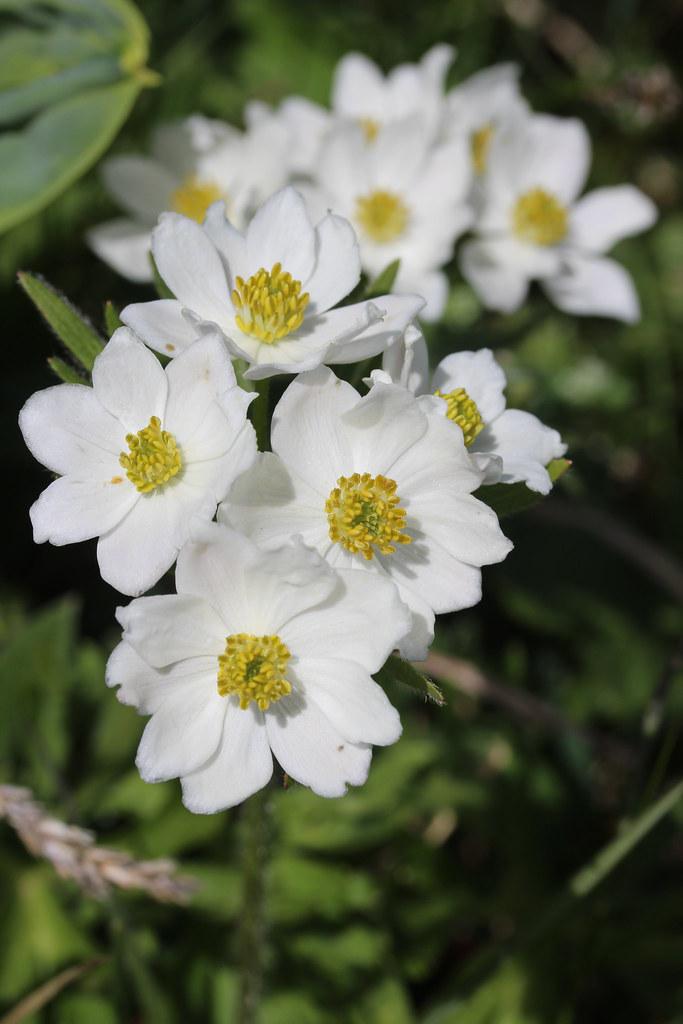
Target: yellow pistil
(382,215)
(194,196)
(364,513)
(539,217)
(153,457)
(480,144)
(270,305)
(253,668)
(370,128)
(462,409)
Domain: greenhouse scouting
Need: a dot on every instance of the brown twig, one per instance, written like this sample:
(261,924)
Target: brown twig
(45,993)
(74,855)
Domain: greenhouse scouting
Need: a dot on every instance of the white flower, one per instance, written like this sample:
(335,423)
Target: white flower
(305,122)
(481,105)
(193,163)
(531,226)
(508,445)
(257,653)
(138,455)
(377,484)
(270,292)
(361,93)
(406,198)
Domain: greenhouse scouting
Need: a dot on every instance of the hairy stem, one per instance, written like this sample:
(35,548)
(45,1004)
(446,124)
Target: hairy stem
(252,927)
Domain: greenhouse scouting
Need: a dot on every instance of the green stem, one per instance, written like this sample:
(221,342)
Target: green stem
(252,927)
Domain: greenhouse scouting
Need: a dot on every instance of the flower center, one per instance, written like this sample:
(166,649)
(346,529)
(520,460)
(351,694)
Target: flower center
(539,217)
(253,667)
(364,513)
(370,128)
(194,197)
(382,215)
(153,457)
(480,144)
(269,305)
(462,409)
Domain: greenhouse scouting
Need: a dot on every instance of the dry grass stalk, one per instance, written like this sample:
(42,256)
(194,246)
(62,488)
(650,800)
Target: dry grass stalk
(74,855)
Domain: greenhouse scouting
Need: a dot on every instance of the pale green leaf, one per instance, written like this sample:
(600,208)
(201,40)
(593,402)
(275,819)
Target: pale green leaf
(70,326)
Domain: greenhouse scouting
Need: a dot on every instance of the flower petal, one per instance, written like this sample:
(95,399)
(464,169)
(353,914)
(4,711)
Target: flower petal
(594,287)
(171,627)
(183,733)
(499,285)
(74,510)
(192,268)
(195,379)
(229,242)
(525,445)
(67,430)
(241,765)
(604,216)
(337,266)
(161,325)
(124,245)
(378,323)
(311,750)
(129,381)
(140,185)
(350,699)
(281,232)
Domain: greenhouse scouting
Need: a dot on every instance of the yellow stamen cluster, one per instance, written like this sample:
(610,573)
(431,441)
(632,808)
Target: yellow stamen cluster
(364,513)
(382,215)
(270,305)
(462,409)
(153,457)
(370,128)
(480,143)
(194,197)
(253,668)
(539,217)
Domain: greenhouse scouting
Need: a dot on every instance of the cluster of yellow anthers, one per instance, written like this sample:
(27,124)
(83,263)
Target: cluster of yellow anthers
(364,513)
(382,215)
(462,409)
(270,305)
(153,457)
(539,217)
(253,668)
(194,197)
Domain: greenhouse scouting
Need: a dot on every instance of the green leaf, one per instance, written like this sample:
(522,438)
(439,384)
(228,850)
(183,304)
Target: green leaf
(384,281)
(74,74)
(112,320)
(398,670)
(507,499)
(70,326)
(66,373)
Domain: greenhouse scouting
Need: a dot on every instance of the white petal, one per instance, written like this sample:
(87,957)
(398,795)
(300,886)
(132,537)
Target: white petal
(603,217)
(311,750)
(136,553)
(191,267)
(306,431)
(595,287)
(139,185)
(195,379)
(281,232)
(465,528)
(129,381)
(441,581)
(270,504)
(67,430)
(357,87)
(161,325)
(145,687)
(391,314)
(183,733)
(356,706)
(124,245)
(525,445)
(228,241)
(171,627)
(337,266)
(381,426)
(407,362)
(500,286)
(348,623)
(241,765)
(73,510)
(479,374)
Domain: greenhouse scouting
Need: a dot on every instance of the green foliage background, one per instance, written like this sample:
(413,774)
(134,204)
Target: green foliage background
(435,893)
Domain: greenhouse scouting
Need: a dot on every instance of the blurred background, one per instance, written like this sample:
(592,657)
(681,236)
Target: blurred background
(441,891)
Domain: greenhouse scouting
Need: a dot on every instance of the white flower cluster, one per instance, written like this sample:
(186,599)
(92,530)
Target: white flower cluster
(412,167)
(341,544)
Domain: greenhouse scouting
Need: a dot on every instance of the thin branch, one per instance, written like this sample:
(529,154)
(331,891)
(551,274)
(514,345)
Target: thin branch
(46,992)
(74,855)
